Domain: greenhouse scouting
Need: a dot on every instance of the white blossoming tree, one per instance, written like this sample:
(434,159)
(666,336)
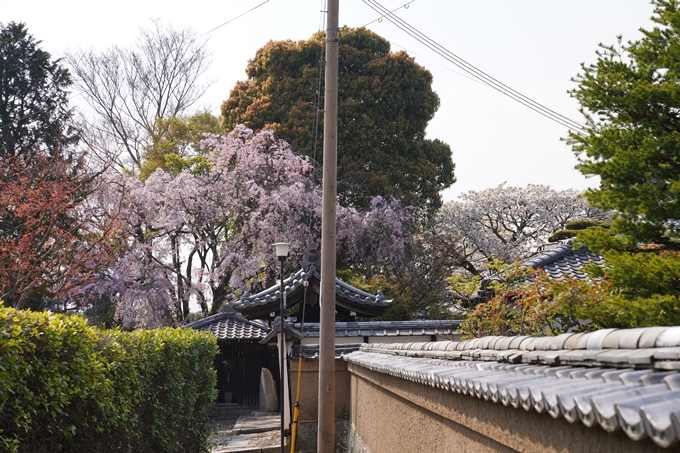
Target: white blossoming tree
(508,223)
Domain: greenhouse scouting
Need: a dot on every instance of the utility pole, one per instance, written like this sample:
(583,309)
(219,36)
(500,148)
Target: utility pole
(326,429)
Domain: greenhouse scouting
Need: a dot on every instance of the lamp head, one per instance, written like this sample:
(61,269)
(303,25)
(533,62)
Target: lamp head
(282,250)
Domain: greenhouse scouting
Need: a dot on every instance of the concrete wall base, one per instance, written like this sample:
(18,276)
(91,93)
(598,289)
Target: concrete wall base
(307,435)
(391,414)
(354,443)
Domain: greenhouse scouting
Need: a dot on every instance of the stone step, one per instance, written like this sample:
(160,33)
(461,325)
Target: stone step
(247,424)
(263,442)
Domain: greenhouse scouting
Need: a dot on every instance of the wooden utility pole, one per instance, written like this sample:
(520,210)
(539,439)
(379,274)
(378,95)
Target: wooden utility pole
(326,429)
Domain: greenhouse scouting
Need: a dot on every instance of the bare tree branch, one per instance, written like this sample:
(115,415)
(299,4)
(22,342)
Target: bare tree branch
(128,90)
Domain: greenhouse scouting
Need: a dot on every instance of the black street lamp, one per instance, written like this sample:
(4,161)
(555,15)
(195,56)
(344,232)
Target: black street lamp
(282,254)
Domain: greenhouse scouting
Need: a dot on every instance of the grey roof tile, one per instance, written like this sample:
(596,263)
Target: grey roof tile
(570,343)
(657,421)
(504,343)
(649,336)
(612,340)
(615,356)
(667,365)
(311,351)
(582,341)
(385,328)
(668,338)
(609,391)
(629,338)
(641,356)
(272,295)
(596,339)
(229,325)
(560,261)
(529,344)
(670,353)
(672,381)
(516,342)
(558,342)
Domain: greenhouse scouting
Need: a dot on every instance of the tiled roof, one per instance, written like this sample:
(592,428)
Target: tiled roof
(229,325)
(271,296)
(385,328)
(311,351)
(289,329)
(617,379)
(560,261)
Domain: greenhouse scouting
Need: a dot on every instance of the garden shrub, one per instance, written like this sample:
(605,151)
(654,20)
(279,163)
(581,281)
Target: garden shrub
(545,307)
(540,307)
(177,383)
(65,386)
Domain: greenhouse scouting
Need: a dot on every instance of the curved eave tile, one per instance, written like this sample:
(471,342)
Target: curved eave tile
(619,401)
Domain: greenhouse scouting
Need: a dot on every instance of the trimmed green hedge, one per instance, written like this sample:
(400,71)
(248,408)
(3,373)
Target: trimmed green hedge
(66,387)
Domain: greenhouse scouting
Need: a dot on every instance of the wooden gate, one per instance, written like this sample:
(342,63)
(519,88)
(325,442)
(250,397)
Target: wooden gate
(238,365)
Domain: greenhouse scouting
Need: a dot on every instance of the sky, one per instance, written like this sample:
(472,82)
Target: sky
(533,46)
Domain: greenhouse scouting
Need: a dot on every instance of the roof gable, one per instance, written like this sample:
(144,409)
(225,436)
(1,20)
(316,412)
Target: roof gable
(561,261)
(230,325)
(261,304)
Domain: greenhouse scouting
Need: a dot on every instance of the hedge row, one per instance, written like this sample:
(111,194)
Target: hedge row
(67,387)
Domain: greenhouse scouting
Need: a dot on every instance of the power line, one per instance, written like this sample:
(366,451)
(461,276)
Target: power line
(231,20)
(320,56)
(406,6)
(440,65)
(379,19)
(38,112)
(472,70)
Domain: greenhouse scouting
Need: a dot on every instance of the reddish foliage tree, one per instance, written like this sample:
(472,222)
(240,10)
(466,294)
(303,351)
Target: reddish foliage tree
(49,239)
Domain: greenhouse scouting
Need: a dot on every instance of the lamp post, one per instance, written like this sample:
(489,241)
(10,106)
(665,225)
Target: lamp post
(282,254)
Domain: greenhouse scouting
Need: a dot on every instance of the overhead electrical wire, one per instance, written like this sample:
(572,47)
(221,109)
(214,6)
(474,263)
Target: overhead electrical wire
(472,70)
(379,19)
(314,133)
(438,64)
(233,19)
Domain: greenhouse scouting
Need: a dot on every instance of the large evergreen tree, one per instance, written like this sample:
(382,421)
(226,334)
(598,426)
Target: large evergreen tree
(51,240)
(34,112)
(631,100)
(385,103)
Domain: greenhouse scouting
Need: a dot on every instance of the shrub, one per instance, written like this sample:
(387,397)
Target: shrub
(540,307)
(544,307)
(65,386)
(571,229)
(177,384)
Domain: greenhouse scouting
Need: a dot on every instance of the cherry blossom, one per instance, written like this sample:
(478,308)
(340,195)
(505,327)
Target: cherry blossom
(509,223)
(195,239)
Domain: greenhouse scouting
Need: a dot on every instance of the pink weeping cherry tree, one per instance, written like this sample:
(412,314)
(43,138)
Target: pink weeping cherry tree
(194,238)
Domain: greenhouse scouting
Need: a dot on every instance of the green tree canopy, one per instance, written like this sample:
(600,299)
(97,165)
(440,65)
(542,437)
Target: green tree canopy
(177,145)
(34,112)
(385,103)
(631,100)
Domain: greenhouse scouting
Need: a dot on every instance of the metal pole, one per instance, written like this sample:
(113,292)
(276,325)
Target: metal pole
(296,411)
(326,408)
(282,347)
